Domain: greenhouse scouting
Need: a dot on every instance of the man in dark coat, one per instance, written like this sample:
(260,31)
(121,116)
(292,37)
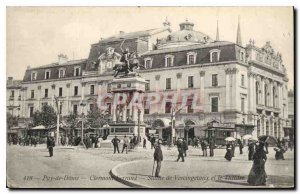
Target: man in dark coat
(204,147)
(211,147)
(152,141)
(50,145)
(158,157)
(185,146)
(180,150)
(115,141)
(251,149)
(241,146)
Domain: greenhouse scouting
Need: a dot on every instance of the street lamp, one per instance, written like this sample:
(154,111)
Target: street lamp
(139,115)
(58,105)
(82,104)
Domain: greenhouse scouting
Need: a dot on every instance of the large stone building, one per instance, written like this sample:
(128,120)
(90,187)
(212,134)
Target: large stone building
(240,89)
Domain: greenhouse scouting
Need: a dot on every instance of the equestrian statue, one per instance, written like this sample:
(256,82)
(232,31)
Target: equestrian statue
(129,62)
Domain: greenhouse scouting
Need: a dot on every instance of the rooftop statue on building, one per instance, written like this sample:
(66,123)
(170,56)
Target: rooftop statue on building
(129,62)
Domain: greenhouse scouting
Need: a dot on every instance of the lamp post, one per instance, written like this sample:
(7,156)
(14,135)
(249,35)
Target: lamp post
(58,105)
(82,104)
(139,122)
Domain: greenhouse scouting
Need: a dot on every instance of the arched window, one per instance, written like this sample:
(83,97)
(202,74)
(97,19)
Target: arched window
(214,55)
(257,92)
(274,97)
(258,127)
(266,95)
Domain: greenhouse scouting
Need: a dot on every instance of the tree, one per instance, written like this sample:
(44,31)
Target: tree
(72,121)
(97,118)
(11,120)
(46,117)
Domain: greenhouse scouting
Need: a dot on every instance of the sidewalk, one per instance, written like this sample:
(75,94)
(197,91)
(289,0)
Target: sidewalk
(204,172)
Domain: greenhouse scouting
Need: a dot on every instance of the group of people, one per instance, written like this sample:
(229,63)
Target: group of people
(25,141)
(128,143)
(92,141)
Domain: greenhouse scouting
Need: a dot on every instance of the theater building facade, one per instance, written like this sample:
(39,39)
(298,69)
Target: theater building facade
(229,89)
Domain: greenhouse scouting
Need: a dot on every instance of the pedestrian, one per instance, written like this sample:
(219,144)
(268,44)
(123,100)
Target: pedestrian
(258,175)
(228,155)
(125,145)
(241,146)
(279,152)
(100,139)
(115,141)
(50,145)
(251,149)
(131,143)
(185,146)
(211,147)
(144,143)
(180,150)
(158,157)
(203,147)
(67,140)
(34,141)
(152,141)
(232,147)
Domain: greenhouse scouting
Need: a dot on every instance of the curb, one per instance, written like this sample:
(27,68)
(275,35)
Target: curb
(130,183)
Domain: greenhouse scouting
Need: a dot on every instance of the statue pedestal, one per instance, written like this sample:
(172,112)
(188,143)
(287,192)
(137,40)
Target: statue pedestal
(127,114)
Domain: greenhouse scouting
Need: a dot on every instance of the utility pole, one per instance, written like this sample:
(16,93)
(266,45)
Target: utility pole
(82,104)
(57,119)
(173,114)
(139,122)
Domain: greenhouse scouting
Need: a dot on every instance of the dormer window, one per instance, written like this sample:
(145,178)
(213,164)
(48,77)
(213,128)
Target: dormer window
(214,55)
(169,59)
(148,63)
(62,72)
(191,58)
(33,75)
(47,74)
(77,71)
(242,56)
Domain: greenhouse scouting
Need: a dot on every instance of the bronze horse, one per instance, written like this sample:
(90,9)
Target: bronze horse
(123,68)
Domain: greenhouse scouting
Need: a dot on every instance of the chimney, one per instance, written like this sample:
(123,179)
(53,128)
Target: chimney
(62,59)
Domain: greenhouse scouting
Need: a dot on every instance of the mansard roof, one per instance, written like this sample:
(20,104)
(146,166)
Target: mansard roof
(54,67)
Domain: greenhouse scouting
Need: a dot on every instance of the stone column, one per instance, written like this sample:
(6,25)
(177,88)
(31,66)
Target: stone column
(254,93)
(114,107)
(271,93)
(262,100)
(135,110)
(124,116)
(228,85)
(235,91)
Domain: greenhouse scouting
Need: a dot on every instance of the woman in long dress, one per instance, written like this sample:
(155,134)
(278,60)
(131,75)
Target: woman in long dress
(258,175)
(228,154)
(251,149)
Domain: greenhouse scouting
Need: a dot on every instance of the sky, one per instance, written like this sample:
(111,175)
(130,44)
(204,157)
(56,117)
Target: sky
(36,35)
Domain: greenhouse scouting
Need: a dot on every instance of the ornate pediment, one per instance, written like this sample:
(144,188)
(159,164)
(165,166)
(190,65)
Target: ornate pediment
(108,60)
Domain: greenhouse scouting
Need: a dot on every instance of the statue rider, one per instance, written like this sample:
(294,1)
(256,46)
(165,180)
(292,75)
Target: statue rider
(125,57)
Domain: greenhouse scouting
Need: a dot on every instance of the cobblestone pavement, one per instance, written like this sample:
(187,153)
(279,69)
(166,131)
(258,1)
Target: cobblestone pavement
(78,167)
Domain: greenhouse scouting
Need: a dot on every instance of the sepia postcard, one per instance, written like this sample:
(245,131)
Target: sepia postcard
(150,97)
